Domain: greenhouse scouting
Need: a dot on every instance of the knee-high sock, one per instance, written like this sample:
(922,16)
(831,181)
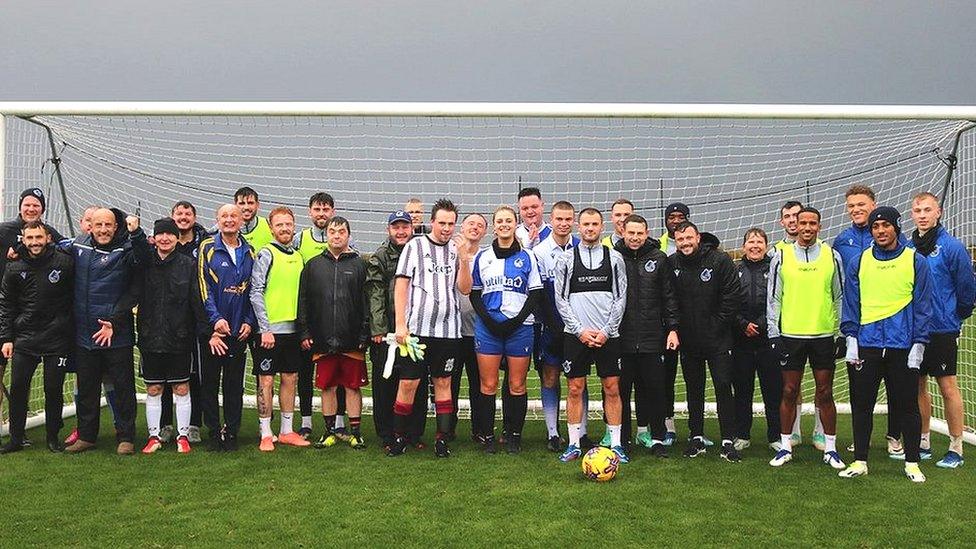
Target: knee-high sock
(154,410)
(586,410)
(550,406)
(182,406)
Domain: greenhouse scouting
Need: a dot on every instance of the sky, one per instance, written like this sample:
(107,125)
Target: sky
(891,52)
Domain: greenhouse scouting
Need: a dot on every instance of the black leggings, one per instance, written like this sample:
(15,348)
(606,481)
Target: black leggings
(748,362)
(902,384)
(720,367)
(467,364)
(647,375)
(22,372)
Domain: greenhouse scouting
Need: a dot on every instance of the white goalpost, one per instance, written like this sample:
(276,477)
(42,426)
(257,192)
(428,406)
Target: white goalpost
(734,165)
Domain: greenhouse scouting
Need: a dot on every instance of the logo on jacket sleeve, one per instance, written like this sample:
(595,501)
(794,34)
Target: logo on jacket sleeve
(705,275)
(651,265)
(54,277)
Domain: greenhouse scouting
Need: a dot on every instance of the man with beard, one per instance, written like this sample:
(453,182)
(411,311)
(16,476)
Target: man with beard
(675,214)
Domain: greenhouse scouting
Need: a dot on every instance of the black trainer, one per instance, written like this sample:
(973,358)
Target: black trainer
(489,445)
(514,444)
(54,444)
(585,443)
(11,447)
(440,448)
(730,454)
(216,444)
(230,443)
(554,444)
(696,447)
(398,447)
(659,450)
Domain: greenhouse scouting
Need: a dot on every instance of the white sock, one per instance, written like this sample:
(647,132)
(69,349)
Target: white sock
(925,443)
(154,410)
(830,443)
(340,422)
(669,424)
(955,444)
(552,421)
(785,442)
(575,431)
(265,423)
(641,429)
(796,422)
(817,423)
(181,405)
(614,435)
(306,422)
(286,422)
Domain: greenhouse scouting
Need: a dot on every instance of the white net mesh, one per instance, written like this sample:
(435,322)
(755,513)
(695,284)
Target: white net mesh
(734,174)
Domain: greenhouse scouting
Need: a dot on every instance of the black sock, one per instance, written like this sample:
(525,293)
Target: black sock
(488,414)
(520,405)
(354,423)
(329,423)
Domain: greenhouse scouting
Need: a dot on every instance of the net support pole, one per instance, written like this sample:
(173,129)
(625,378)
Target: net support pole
(951,162)
(56,161)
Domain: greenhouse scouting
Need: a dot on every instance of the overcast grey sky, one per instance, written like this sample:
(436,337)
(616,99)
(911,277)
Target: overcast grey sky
(764,52)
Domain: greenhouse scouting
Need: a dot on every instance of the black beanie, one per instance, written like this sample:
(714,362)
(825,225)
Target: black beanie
(36,193)
(166,225)
(886,213)
(676,207)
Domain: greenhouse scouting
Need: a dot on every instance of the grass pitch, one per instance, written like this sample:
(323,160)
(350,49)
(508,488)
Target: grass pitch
(340,496)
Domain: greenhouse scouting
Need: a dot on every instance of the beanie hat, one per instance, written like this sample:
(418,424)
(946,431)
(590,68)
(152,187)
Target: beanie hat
(166,225)
(886,213)
(36,193)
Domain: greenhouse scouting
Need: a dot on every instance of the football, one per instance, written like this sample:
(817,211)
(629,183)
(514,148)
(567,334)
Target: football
(600,464)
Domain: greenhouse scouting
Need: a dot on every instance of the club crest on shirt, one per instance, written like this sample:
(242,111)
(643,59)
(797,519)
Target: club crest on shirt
(677,272)
(23,275)
(567,366)
(651,265)
(449,365)
(519,262)
(54,277)
(265,365)
(705,275)
(936,251)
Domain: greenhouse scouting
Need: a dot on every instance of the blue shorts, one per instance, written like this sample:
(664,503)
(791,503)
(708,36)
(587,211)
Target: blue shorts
(517,344)
(544,344)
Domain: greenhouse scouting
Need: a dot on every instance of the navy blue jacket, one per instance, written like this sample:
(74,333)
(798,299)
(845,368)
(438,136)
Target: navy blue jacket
(953,284)
(854,240)
(899,331)
(103,285)
(225,286)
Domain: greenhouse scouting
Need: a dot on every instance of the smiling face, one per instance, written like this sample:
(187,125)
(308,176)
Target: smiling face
(754,248)
(31,209)
(787,220)
(808,228)
(618,214)
(687,241)
(674,219)
(474,228)
(635,235)
(103,226)
(884,234)
(562,220)
(503,223)
(283,228)
(859,206)
(34,240)
(229,219)
(249,207)
(530,210)
(165,242)
(184,217)
(86,220)
(400,232)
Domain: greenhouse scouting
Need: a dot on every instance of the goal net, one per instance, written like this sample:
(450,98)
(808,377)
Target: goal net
(733,173)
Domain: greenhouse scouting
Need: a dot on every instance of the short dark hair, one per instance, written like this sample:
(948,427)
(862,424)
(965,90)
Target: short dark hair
(529,191)
(183,204)
(443,204)
(790,204)
(35,225)
(634,218)
(563,205)
(685,225)
(860,189)
(755,231)
(585,211)
(810,209)
(321,198)
(246,192)
(620,201)
(339,221)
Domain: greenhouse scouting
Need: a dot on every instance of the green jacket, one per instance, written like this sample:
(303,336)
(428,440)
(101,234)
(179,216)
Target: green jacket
(380,268)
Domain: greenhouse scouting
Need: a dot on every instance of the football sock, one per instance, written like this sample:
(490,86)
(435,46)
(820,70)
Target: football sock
(784,440)
(586,411)
(154,410)
(444,410)
(401,417)
(830,443)
(330,423)
(488,403)
(641,429)
(550,407)
(354,423)
(340,421)
(614,435)
(796,422)
(182,405)
(817,424)
(669,424)
(306,422)
(575,431)
(265,423)
(925,441)
(520,405)
(286,418)
(955,444)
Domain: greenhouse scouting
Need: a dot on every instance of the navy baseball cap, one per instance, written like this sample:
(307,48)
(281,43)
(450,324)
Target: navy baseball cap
(399,215)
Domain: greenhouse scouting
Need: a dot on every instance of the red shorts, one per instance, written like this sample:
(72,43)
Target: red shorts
(340,371)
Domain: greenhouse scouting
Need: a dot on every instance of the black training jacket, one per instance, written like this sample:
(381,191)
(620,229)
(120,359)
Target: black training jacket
(333,305)
(170,312)
(709,296)
(753,276)
(652,306)
(35,305)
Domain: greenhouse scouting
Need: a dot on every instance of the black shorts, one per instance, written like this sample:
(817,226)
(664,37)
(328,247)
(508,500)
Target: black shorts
(160,368)
(440,359)
(940,355)
(284,358)
(579,358)
(819,351)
